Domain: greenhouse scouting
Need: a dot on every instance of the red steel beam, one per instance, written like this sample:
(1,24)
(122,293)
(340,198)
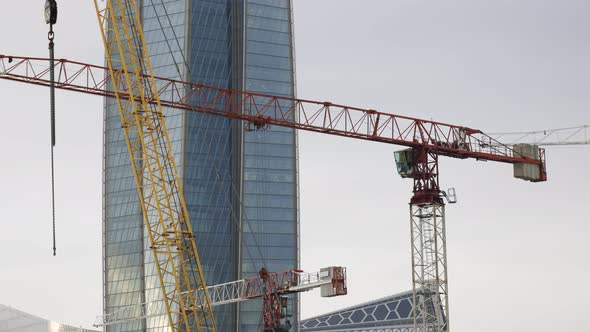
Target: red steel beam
(262,110)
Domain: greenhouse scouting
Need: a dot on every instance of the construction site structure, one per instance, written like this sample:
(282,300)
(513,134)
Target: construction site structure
(578,135)
(427,141)
(261,110)
(271,287)
(171,239)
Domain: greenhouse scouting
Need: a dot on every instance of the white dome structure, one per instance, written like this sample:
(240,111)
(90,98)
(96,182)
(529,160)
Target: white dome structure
(13,320)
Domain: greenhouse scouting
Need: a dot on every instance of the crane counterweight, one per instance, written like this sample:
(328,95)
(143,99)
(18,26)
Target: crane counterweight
(526,171)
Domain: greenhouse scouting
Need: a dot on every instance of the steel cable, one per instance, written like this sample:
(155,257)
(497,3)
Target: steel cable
(50,36)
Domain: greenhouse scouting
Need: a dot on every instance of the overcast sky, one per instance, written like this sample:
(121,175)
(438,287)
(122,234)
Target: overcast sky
(517,251)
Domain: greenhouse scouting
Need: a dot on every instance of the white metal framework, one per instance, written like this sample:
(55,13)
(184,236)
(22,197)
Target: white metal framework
(429,266)
(579,135)
(230,292)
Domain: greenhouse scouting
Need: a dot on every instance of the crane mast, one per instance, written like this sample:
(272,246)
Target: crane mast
(426,141)
(163,207)
(428,245)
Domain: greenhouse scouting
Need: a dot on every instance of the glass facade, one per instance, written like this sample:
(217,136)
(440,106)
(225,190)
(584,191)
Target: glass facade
(209,168)
(123,240)
(269,158)
(240,185)
(164,32)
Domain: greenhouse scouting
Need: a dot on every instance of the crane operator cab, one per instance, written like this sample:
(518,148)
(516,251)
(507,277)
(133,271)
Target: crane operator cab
(404,161)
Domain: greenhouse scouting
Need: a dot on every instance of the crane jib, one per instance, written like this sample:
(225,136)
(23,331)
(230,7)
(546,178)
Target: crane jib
(260,109)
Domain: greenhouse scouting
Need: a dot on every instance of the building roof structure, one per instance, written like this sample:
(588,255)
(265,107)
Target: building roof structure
(388,314)
(13,320)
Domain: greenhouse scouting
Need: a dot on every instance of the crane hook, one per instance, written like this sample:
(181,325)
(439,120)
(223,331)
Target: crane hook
(51,19)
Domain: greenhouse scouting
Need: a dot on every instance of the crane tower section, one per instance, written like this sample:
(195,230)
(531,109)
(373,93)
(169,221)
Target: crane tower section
(428,229)
(163,207)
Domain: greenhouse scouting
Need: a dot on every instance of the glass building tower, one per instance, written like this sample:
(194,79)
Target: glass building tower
(240,185)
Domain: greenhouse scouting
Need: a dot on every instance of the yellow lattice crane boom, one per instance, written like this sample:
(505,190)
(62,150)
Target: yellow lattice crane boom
(158,185)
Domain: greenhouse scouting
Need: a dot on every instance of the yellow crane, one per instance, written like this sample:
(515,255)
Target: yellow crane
(163,207)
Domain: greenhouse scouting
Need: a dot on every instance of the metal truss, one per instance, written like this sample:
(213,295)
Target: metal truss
(379,329)
(579,135)
(285,282)
(163,207)
(260,110)
(427,139)
(429,266)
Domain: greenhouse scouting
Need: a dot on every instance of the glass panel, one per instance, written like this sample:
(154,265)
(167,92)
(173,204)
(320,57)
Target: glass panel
(270,180)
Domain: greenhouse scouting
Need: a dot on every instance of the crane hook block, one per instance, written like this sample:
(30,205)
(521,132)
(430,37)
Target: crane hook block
(50,12)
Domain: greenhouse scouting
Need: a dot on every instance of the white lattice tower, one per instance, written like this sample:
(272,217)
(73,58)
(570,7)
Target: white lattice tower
(429,266)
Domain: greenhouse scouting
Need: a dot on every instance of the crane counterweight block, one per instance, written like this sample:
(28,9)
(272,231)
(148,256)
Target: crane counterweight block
(528,171)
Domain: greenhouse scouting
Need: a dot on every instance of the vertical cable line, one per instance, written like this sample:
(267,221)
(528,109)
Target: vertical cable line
(50,36)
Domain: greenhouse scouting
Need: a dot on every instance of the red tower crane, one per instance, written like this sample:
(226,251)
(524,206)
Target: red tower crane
(426,140)
(271,287)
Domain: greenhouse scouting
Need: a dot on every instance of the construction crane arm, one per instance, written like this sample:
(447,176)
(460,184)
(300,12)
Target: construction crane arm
(579,135)
(332,281)
(163,208)
(260,110)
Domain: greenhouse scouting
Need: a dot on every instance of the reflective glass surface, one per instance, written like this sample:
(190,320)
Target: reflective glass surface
(123,240)
(270,159)
(130,273)
(208,164)
(240,186)
(164,29)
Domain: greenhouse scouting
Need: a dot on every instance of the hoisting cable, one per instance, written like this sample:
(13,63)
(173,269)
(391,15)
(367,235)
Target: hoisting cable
(51,19)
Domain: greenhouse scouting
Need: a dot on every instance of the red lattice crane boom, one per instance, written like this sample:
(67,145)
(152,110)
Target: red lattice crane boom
(426,140)
(262,110)
(268,286)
